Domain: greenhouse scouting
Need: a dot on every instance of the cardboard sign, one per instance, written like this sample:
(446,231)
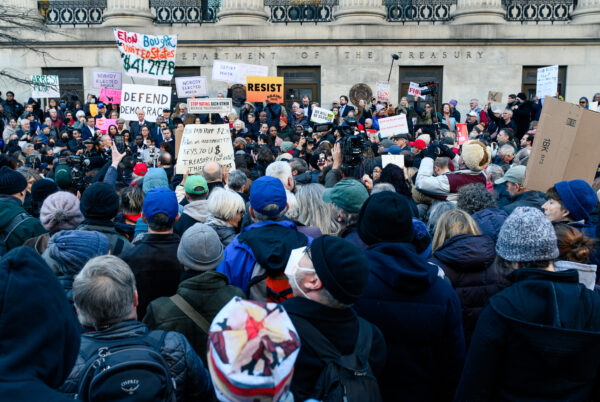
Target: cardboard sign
(152,100)
(462,135)
(93,109)
(106,79)
(203,143)
(415,90)
(147,56)
(110,96)
(495,96)
(259,89)
(236,73)
(209,105)
(188,87)
(45,86)
(320,115)
(397,160)
(178,137)
(383,91)
(566,146)
(104,124)
(547,81)
(393,125)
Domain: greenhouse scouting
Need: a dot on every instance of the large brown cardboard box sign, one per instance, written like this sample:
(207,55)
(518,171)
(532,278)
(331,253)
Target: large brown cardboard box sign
(566,146)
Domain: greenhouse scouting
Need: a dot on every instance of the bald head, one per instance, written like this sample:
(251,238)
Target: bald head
(212,172)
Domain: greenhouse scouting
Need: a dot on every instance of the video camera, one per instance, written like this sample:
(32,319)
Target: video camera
(353,144)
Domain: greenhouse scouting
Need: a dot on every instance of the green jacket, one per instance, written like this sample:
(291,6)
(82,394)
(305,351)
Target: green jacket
(207,292)
(9,208)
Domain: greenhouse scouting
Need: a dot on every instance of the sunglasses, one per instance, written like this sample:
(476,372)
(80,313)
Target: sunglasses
(582,102)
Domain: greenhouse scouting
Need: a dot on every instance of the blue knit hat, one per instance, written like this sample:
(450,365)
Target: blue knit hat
(578,196)
(156,177)
(72,249)
(527,235)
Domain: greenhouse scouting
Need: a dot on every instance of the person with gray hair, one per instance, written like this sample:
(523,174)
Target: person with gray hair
(506,154)
(237,181)
(314,212)
(213,173)
(381,187)
(282,171)
(226,210)
(435,212)
(106,298)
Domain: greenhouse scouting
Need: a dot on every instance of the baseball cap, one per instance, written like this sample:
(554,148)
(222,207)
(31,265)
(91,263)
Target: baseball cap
(347,194)
(387,143)
(267,191)
(160,200)
(419,144)
(63,177)
(515,174)
(394,150)
(472,113)
(100,105)
(140,169)
(398,136)
(196,184)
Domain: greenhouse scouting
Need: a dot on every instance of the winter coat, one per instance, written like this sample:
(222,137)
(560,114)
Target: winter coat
(194,212)
(530,198)
(467,261)
(445,186)
(419,315)
(118,243)
(191,377)
(537,340)
(155,266)
(490,221)
(207,292)
(9,208)
(522,117)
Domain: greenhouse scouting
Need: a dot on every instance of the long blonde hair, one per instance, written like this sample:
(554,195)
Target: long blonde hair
(453,223)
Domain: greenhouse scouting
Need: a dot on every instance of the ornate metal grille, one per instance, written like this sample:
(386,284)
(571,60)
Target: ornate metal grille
(301,11)
(72,12)
(419,10)
(185,11)
(538,10)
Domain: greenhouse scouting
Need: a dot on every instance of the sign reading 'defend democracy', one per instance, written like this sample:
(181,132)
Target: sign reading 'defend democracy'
(191,86)
(203,143)
(152,100)
(106,79)
(45,86)
(209,105)
(147,56)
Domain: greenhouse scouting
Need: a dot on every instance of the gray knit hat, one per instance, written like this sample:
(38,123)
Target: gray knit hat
(200,248)
(527,235)
(60,211)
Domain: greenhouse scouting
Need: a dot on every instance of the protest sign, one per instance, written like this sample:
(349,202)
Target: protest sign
(152,100)
(397,160)
(236,73)
(103,124)
(494,96)
(45,86)
(188,87)
(209,105)
(393,125)
(320,115)
(178,137)
(259,89)
(415,90)
(110,96)
(547,81)
(106,79)
(147,56)
(383,91)
(462,135)
(566,146)
(203,143)
(93,107)
(594,106)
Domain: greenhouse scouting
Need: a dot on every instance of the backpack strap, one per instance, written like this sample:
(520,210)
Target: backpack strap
(119,246)
(319,343)
(13,224)
(190,312)
(254,281)
(362,349)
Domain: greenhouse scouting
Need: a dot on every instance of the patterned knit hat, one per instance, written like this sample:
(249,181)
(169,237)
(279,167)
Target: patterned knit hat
(527,235)
(252,348)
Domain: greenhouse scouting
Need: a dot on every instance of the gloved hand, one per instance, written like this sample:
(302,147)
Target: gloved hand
(432,151)
(446,151)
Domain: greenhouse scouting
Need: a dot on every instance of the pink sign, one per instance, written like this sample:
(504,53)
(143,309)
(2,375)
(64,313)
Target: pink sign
(104,124)
(110,96)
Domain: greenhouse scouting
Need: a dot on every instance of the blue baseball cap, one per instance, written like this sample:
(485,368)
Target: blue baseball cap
(394,150)
(160,200)
(268,191)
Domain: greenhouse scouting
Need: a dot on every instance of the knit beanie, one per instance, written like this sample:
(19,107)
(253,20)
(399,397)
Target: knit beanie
(11,181)
(60,211)
(100,202)
(476,155)
(155,177)
(527,235)
(578,196)
(72,249)
(341,266)
(200,248)
(385,217)
(42,189)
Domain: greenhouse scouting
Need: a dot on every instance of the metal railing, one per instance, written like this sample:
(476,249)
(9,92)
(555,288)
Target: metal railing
(539,10)
(185,11)
(291,11)
(72,12)
(419,10)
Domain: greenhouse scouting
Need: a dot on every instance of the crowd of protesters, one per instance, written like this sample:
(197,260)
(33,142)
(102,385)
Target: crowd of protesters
(307,271)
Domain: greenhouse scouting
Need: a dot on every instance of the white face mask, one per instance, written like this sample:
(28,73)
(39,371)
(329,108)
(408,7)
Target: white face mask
(292,268)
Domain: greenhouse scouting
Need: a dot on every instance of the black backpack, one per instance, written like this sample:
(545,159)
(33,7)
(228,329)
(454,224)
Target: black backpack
(131,369)
(8,230)
(345,378)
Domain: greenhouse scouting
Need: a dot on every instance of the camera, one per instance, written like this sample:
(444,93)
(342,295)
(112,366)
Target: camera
(353,144)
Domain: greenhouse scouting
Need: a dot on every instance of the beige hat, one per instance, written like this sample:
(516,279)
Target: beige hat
(425,137)
(476,155)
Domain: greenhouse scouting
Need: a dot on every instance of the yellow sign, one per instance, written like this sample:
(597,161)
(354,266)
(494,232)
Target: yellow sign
(260,89)
(93,109)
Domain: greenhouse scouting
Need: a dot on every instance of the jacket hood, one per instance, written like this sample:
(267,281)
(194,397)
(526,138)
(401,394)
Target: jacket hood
(587,272)
(399,265)
(40,338)
(197,210)
(467,253)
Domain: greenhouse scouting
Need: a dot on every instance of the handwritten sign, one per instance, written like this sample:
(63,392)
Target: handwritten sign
(494,96)
(188,87)
(147,56)
(103,124)
(594,106)
(106,79)
(415,90)
(397,160)
(152,100)
(462,134)
(209,105)
(259,89)
(547,81)
(236,73)
(45,86)
(320,115)
(110,96)
(383,91)
(393,125)
(203,143)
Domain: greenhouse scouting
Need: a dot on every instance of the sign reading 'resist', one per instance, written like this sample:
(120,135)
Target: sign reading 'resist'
(259,89)
(152,100)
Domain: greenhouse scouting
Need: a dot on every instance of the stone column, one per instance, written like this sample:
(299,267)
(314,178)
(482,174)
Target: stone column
(587,12)
(127,13)
(479,12)
(242,12)
(360,12)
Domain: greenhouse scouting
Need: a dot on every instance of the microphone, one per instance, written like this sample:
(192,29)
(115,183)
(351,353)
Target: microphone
(395,56)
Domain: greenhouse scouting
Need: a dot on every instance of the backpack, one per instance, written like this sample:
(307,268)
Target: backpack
(268,286)
(131,369)
(10,228)
(345,378)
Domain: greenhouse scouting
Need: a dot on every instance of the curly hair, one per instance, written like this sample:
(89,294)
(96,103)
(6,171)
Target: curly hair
(475,197)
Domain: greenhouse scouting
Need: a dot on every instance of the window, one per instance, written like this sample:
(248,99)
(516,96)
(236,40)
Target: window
(420,75)
(529,82)
(70,80)
(301,81)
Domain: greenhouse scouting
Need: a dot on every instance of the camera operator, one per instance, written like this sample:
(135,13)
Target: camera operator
(76,143)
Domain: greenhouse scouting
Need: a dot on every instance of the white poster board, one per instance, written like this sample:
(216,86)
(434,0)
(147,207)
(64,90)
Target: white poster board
(106,79)
(209,105)
(151,99)
(415,90)
(397,160)
(236,73)
(383,91)
(393,125)
(45,86)
(547,82)
(188,87)
(203,143)
(320,115)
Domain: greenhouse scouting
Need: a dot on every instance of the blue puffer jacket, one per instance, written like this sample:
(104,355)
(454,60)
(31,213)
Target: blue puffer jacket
(191,377)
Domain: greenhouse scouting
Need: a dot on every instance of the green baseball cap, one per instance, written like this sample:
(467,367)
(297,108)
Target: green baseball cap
(515,174)
(347,194)
(196,184)
(63,177)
